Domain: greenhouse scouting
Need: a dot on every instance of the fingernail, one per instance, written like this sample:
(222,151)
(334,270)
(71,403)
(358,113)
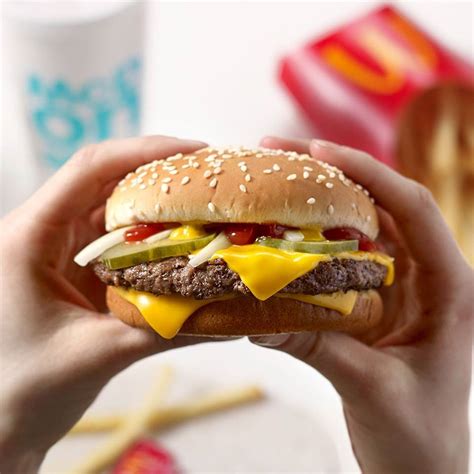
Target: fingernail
(194,142)
(323,143)
(271,341)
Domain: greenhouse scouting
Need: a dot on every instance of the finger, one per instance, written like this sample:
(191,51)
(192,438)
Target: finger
(300,145)
(410,204)
(113,343)
(351,366)
(79,185)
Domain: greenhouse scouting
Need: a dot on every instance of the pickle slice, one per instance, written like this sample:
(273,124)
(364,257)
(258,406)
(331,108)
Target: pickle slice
(128,254)
(326,246)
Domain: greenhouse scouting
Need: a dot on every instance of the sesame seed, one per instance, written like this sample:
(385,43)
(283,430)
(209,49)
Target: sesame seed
(151,182)
(185,180)
(196,165)
(311,200)
(186,166)
(167,180)
(121,183)
(142,186)
(211,157)
(139,180)
(248,178)
(359,187)
(332,174)
(291,177)
(308,168)
(173,172)
(372,200)
(157,207)
(217,170)
(365,192)
(268,171)
(207,174)
(154,175)
(321,177)
(226,155)
(213,183)
(242,163)
(259,155)
(305,175)
(165,188)
(211,207)
(141,175)
(242,188)
(243,168)
(329,185)
(368,218)
(276,167)
(330,209)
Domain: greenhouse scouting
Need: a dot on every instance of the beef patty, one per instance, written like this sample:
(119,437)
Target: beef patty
(214,278)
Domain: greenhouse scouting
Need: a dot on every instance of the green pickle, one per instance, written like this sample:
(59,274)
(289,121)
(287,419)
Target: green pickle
(128,254)
(326,246)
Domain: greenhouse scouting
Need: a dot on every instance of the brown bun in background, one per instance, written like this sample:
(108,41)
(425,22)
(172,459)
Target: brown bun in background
(248,316)
(240,185)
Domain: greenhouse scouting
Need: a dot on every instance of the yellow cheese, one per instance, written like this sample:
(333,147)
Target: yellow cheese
(186,232)
(378,257)
(266,270)
(165,314)
(339,301)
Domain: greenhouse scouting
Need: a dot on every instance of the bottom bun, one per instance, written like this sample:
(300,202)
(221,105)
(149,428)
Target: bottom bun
(247,316)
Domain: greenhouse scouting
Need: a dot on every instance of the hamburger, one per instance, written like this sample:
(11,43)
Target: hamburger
(230,242)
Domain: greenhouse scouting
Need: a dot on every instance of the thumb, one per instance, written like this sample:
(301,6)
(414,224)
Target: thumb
(352,367)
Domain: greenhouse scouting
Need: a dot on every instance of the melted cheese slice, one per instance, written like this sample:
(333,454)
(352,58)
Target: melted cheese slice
(266,270)
(339,301)
(165,314)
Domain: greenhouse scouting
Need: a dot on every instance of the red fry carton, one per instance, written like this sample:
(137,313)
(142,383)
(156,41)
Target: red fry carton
(146,457)
(354,82)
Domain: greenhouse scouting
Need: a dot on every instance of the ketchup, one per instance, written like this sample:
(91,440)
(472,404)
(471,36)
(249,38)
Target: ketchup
(349,233)
(142,231)
(241,234)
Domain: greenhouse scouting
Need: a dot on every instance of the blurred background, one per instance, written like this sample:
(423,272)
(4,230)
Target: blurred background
(230,73)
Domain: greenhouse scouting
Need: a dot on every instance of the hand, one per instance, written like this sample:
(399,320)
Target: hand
(405,396)
(57,348)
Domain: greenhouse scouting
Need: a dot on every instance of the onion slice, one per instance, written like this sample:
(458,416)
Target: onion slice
(293,235)
(159,236)
(100,245)
(219,243)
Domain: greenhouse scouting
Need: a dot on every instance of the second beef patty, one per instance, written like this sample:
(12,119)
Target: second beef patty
(213,279)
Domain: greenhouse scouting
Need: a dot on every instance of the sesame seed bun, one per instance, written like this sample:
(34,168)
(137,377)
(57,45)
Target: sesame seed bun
(241,185)
(247,316)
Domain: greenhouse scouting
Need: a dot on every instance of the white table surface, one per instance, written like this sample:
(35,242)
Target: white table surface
(211,75)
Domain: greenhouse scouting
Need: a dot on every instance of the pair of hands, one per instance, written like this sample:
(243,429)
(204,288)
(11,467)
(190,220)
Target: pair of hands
(404,396)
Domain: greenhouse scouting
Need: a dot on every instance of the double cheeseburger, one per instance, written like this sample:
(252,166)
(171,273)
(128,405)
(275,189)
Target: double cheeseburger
(228,242)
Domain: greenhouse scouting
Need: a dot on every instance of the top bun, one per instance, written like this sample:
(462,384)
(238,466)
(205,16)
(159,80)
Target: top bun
(242,185)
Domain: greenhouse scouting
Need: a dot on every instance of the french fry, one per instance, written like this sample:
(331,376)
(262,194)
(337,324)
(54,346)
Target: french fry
(132,428)
(445,174)
(178,412)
